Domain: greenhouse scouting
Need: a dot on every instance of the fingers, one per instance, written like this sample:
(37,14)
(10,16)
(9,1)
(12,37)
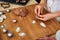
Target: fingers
(36,10)
(39,18)
(42,18)
(39,11)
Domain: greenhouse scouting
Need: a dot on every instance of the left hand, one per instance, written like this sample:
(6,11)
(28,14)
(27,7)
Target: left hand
(46,16)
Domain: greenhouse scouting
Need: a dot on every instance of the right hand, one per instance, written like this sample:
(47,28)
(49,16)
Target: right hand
(39,9)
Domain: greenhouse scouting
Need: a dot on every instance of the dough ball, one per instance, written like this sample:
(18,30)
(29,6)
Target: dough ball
(22,34)
(14,21)
(42,24)
(33,21)
(10,35)
(4,30)
(18,29)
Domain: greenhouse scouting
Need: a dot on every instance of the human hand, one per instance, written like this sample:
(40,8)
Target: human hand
(46,16)
(39,9)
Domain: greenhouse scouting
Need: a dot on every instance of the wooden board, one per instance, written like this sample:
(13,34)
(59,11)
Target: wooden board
(33,31)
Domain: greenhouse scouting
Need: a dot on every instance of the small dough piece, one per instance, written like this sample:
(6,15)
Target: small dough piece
(42,24)
(18,29)
(8,10)
(1,13)
(1,19)
(4,30)
(33,21)
(3,16)
(2,26)
(21,12)
(22,34)
(10,35)
(14,21)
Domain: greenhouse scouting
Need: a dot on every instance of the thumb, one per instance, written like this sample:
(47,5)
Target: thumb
(41,16)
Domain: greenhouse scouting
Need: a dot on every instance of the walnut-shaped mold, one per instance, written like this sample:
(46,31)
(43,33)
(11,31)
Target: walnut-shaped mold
(21,12)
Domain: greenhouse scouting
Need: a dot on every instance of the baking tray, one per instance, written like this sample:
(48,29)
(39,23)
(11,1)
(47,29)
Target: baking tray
(14,2)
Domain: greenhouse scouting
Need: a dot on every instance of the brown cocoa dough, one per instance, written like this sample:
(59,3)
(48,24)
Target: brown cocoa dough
(21,12)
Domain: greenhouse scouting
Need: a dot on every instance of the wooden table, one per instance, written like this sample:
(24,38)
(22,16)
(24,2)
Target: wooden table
(33,31)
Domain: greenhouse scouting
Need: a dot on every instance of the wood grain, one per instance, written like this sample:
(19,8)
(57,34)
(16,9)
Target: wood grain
(33,31)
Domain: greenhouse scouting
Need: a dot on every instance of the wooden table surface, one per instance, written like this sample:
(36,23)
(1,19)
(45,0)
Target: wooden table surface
(33,31)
